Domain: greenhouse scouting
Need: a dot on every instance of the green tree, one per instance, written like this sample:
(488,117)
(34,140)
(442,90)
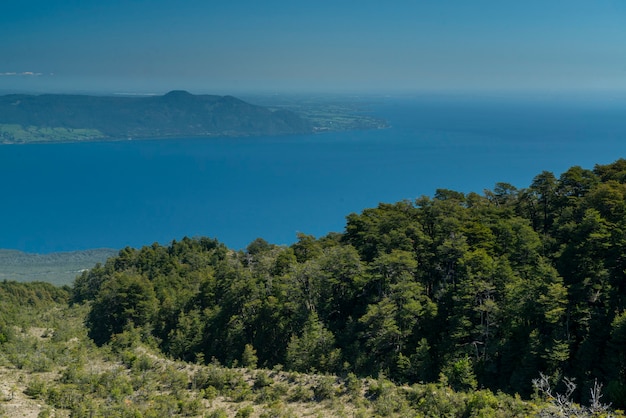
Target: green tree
(314,349)
(615,362)
(543,189)
(125,299)
(248,357)
(459,374)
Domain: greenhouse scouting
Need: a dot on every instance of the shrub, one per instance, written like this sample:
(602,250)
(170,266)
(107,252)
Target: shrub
(434,400)
(386,398)
(267,394)
(209,393)
(276,410)
(218,413)
(189,407)
(143,363)
(174,379)
(64,396)
(353,385)
(241,393)
(36,388)
(301,393)
(39,363)
(44,413)
(459,375)
(324,389)
(262,379)
(482,403)
(224,380)
(162,406)
(245,412)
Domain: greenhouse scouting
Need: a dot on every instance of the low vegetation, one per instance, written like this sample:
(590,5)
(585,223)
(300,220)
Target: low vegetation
(49,367)
(18,134)
(505,304)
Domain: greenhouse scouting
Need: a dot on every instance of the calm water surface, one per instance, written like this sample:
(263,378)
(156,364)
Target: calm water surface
(65,197)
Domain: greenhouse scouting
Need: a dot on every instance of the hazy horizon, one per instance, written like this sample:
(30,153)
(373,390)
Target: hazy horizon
(331,47)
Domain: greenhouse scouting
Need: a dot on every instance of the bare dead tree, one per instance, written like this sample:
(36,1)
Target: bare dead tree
(596,406)
(562,405)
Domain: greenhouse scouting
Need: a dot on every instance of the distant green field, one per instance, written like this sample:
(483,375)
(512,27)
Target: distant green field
(56,268)
(327,113)
(13,133)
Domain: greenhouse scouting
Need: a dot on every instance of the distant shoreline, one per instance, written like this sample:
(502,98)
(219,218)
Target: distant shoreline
(80,118)
(67,118)
(58,268)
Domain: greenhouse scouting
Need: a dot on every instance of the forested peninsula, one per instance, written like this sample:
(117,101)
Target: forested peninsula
(507,303)
(70,118)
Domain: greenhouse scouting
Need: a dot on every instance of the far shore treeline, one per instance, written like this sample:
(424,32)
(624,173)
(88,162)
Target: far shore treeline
(474,290)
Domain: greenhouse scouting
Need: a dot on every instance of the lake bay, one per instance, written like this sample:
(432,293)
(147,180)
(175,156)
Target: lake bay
(72,196)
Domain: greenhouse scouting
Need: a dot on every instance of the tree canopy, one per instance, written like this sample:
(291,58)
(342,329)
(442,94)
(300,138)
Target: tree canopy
(479,291)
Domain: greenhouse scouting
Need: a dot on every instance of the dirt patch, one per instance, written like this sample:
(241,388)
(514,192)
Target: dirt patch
(14,402)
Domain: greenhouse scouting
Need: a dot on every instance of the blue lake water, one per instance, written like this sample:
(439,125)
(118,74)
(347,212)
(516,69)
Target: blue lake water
(61,197)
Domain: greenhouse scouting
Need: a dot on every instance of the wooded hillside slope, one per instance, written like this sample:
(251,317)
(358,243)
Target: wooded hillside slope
(486,290)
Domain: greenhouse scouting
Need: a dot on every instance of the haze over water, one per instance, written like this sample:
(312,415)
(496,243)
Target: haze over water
(72,196)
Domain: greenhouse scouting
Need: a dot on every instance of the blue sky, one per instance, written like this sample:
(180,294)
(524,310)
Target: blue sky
(295,46)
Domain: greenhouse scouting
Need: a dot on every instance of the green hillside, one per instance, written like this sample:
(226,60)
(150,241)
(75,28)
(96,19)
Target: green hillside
(508,303)
(54,117)
(50,368)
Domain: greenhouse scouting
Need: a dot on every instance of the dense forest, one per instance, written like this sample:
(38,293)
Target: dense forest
(473,291)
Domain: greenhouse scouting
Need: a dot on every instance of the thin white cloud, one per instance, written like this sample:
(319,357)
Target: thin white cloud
(24,74)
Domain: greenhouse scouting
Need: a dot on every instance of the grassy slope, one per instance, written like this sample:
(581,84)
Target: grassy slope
(16,134)
(49,367)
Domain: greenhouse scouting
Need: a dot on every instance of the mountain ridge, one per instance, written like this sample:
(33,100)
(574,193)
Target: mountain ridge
(51,117)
